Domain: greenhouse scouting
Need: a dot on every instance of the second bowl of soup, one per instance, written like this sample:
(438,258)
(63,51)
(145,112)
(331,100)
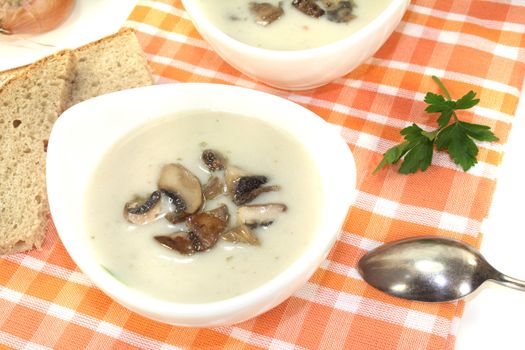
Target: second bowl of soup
(296,44)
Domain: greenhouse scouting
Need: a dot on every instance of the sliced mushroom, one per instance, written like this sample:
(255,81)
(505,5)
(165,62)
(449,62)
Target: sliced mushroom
(221,212)
(233,174)
(179,241)
(176,211)
(241,234)
(175,202)
(340,11)
(176,218)
(205,228)
(183,187)
(265,13)
(259,215)
(213,188)
(243,186)
(213,160)
(141,211)
(249,187)
(308,7)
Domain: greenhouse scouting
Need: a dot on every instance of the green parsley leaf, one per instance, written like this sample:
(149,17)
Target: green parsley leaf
(438,104)
(418,157)
(434,101)
(457,138)
(393,155)
(417,150)
(479,132)
(460,146)
(467,101)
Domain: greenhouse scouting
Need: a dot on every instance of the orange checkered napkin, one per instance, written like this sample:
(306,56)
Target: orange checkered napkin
(47,303)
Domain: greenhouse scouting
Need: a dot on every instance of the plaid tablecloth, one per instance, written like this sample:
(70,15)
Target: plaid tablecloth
(47,303)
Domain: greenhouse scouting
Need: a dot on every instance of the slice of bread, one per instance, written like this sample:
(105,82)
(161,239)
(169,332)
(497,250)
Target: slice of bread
(30,102)
(31,99)
(113,63)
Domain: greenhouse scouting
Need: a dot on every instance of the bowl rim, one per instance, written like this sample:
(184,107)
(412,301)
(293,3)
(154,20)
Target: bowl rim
(126,295)
(192,9)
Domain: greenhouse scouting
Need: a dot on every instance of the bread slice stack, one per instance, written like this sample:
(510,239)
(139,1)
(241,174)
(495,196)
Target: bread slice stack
(31,99)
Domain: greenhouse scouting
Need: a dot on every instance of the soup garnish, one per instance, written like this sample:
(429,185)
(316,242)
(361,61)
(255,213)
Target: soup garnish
(180,198)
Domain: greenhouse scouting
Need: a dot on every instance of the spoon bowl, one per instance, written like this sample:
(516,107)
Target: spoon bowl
(431,269)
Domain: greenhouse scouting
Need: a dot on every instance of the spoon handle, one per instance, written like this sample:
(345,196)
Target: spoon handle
(510,282)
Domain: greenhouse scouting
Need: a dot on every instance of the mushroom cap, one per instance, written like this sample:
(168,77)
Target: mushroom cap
(231,175)
(205,228)
(265,13)
(141,211)
(177,208)
(213,159)
(178,241)
(204,231)
(308,7)
(341,12)
(243,186)
(179,181)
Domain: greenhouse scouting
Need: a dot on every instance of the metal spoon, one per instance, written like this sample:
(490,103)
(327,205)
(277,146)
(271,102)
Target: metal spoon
(430,269)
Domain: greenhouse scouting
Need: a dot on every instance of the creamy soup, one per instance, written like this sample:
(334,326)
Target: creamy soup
(293,30)
(132,166)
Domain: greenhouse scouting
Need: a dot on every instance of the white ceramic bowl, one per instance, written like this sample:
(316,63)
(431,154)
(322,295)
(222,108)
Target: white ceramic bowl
(300,69)
(83,134)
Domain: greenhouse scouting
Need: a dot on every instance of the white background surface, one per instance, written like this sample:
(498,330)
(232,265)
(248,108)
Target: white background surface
(495,316)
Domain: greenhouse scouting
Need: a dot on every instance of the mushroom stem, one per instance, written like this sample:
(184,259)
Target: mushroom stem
(213,188)
(241,234)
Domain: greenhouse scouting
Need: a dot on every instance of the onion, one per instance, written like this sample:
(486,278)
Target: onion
(32,16)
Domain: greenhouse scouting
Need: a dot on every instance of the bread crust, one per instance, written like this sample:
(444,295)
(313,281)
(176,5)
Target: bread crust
(11,73)
(121,32)
(23,71)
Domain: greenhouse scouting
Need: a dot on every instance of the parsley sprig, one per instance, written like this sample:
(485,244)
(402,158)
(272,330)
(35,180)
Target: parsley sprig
(457,137)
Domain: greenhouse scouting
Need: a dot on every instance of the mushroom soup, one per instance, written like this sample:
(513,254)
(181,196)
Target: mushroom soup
(291,24)
(202,206)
